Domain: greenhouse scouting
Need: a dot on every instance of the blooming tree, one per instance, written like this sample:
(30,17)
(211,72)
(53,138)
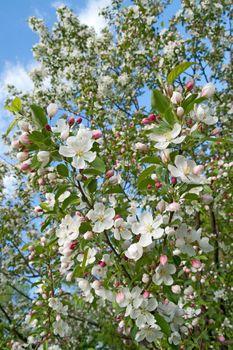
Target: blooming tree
(131,219)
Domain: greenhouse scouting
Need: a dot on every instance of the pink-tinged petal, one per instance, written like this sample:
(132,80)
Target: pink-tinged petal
(158,233)
(145,240)
(147,218)
(152,304)
(168,280)
(174,171)
(180,162)
(98,227)
(66,151)
(110,212)
(176,130)
(89,156)
(79,162)
(162,145)
(137,228)
(178,139)
(157,137)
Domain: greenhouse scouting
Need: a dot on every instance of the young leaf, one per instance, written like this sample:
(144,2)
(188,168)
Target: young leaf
(146,173)
(11,126)
(162,104)
(159,102)
(175,72)
(39,116)
(62,170)
(16,105)
(99,165)
(84,258)
(163,324)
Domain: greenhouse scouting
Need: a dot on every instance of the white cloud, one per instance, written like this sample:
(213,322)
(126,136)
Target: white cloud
(17,75)
(57,4)
(90,13)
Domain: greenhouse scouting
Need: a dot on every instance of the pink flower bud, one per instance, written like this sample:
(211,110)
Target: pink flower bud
(79,120)
(31,248)
(145,278)
(221,338)
(102,263)
(71,121)
(146,294)
(152,117)
(196,263)
(158,184)
(109,173)
(41,181)
(117,216)
(48,127)
(174,206)
(176,289)
(165,155)
(149,186)
(120,297)
(16,144)
(88,235)
(141,147)
(176,97)
(163,259)
(173,180)
(198,169)
(190,85)
(73,245)
(96,134)
(96,284)
(52,110)
(161,206)
(22,156)
(180,111)
(146,121)
(24,138)
(208,90)
(24,167)
(38,209)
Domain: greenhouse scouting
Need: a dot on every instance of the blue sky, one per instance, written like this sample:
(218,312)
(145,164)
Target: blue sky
(17,39)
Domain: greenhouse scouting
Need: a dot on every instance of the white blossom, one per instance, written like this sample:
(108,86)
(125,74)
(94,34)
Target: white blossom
(101,217)
(78,147)
(163,140)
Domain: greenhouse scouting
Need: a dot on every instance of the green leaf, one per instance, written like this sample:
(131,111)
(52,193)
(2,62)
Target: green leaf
(71,200)
(39,116)
(63,170)
(98,164)
(197,101)
(11,126)
(16,105)
(163,324)
(146,173)
(191,196)
(162,104)
(85,258)
(188,100)
(45,345)
(216,139)
(92,186)
(159,102)
(114,189)
(61,189)
(175,72)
